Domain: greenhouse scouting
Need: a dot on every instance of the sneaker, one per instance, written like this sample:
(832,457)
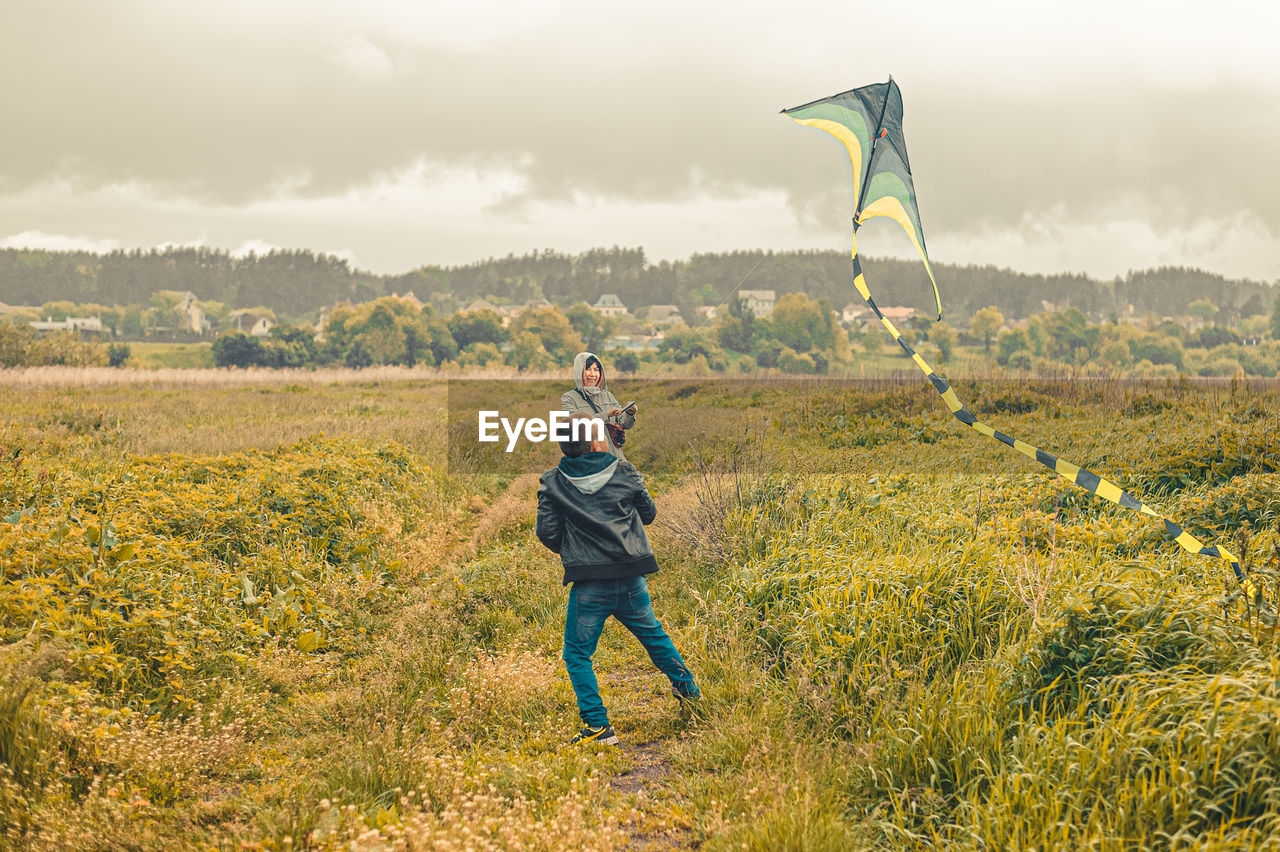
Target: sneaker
(603,734)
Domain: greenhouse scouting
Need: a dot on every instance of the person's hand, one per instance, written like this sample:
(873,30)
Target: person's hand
(632,408)
(613,412)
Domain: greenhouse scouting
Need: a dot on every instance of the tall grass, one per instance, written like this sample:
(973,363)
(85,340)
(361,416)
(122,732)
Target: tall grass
(907,637)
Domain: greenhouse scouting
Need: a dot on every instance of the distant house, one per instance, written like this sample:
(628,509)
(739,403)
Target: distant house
(479,305)
(664,315)
(83,324)
(248,322)
(705,312)
(854,313)
(410,298)
(609,305)
(195,319)
(760,302)
(895,313)
(537,304)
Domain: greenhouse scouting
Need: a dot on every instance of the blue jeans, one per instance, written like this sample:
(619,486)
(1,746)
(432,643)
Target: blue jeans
(590,605)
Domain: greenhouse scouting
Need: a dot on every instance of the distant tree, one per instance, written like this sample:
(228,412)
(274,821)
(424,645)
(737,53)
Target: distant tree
(111,318)
(1039,339)
(791,361)
(480,355)
(388,331)
(1070,332)
(15,340)
(985,324)
(1275,320)
(706,295)
(625,361)
(1020,360)
(681,344)
(1158,349)
(802,323)
(768,351)
(57,311)
(477,327)
(1011,343)
(356,357)
(64,348)
(1116,354)
(1255,326)
(238,350)
(1253,306)
(594,328)
(292,346)
(134,322)
(214,311)
(528,353)
(1202,308)
(553,330)
(1214,335)
(165,301)
(118,354)
(943,336)
(736,328)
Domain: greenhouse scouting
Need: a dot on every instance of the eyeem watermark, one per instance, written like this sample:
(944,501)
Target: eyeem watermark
(556,426)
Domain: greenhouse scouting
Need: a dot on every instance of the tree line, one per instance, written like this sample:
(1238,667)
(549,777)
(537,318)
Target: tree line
(800,336)
(300,283)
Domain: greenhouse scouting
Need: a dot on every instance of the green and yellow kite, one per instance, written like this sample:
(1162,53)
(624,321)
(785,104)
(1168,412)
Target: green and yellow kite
(868,122)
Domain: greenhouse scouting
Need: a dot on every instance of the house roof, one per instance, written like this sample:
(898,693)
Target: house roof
(608,300)
(664,313)
(761,295)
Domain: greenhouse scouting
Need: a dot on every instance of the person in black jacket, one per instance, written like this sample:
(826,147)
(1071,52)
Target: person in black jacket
(592,510)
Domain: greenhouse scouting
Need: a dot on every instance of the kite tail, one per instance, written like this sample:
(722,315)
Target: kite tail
(1086,479)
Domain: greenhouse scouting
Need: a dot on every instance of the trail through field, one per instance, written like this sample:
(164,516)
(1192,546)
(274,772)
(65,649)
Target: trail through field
(640,787)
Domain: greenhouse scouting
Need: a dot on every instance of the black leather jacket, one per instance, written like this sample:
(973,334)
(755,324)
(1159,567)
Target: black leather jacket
(595,517)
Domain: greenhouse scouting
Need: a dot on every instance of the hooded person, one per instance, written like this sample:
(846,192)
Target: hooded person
(592,511)
(590,395)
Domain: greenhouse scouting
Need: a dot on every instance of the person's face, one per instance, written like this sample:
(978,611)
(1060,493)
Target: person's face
(591,375)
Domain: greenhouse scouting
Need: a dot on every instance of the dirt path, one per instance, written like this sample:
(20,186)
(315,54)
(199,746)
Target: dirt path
(644,788)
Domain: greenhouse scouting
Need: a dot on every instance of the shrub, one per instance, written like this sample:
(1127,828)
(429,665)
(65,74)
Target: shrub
(118,354)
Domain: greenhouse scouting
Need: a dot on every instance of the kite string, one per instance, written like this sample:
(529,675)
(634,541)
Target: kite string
(1079,476)
(711,313)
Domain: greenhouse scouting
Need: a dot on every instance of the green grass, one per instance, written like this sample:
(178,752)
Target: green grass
(154,356)
(907,635)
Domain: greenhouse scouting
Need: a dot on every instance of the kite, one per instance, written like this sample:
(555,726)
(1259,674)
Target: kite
(868,122)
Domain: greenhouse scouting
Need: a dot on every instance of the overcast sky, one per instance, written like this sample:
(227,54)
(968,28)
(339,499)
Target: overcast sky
(1095,137)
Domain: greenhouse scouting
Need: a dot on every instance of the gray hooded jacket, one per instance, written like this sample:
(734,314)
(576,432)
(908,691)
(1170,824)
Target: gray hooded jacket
(592,510)
(595,401)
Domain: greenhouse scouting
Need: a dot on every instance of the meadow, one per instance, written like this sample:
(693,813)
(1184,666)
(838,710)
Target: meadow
(257,612)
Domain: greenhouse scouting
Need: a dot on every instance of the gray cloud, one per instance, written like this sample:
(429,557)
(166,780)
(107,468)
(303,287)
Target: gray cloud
(219,109)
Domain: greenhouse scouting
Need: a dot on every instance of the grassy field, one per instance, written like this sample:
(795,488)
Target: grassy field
(153,356)
(258,613)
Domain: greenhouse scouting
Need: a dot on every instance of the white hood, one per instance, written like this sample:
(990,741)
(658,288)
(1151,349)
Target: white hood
(592,482)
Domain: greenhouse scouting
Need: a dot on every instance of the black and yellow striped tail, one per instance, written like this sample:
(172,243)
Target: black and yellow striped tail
(1086,479)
